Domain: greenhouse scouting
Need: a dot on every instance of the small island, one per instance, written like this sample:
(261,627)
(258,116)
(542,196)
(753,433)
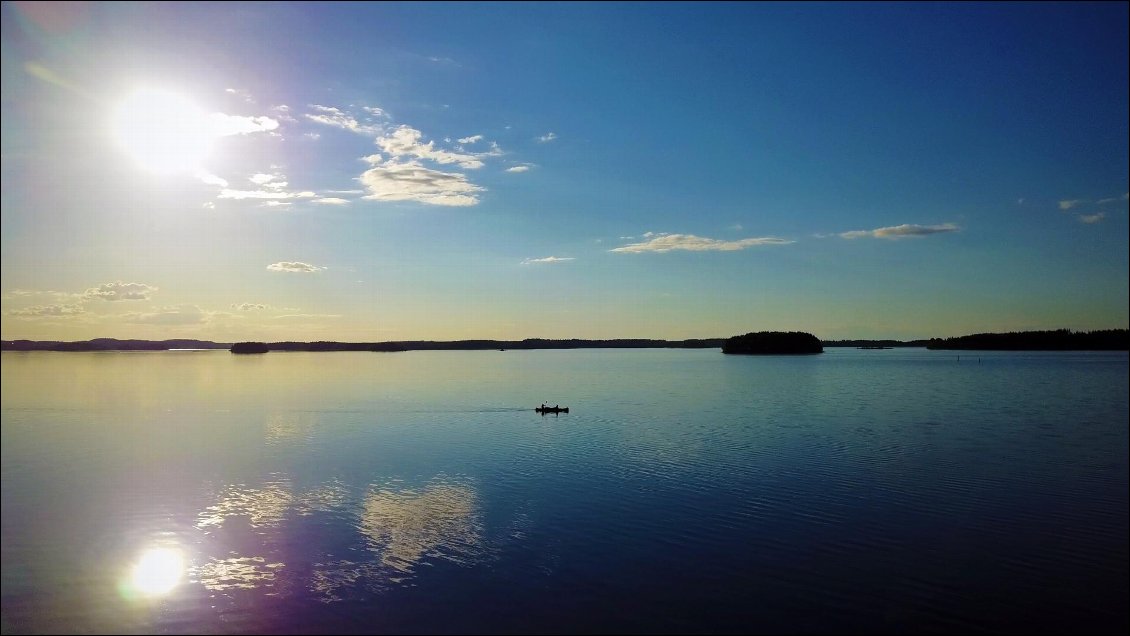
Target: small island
(773,343)
(249,347)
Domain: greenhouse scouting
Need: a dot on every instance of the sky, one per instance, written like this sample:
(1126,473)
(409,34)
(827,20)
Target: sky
(434,171)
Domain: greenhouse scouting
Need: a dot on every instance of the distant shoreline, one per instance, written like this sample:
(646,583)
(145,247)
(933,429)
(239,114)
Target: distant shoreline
(1057,340)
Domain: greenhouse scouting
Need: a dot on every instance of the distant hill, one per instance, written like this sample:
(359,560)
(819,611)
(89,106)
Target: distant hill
(112,344)
(773,343)
(1057,340)
(109,344)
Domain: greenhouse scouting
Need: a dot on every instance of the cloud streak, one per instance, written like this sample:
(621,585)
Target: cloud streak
(335,117)
(294,266)
(547,259)
(905,230)
(547,137)
(664,242)
(170,316)
(120,291)
(48,311)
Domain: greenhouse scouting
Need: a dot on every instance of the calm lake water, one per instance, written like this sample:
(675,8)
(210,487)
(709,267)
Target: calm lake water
(686,491)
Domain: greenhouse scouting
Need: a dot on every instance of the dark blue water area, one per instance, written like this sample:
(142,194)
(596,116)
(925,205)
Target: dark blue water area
(886,491)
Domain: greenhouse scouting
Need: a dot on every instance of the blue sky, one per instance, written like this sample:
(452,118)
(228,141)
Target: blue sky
(441,171)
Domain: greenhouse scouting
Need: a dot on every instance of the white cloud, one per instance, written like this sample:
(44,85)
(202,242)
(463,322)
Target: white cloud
(905,230)
(547,259)
(345,191)
(293,266)
(212,179)
(521,168)
(312,136)
(1092,218)
(548,137)
(331,201)
(306,316)
(226,125)
(405,141)
(48,311)
(330,116)
(227,193)
(120,291)
(667,242)
(1113,199)
(241,92)
(392,181)
(470,140)
(374,111)
(277,204)
(1067,204)
(262,179)
(249,306)
(180,315)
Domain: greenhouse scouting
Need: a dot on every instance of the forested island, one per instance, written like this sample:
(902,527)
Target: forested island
(1057,340)
(773,343)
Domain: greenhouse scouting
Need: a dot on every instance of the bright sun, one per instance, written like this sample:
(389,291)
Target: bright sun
(163,131)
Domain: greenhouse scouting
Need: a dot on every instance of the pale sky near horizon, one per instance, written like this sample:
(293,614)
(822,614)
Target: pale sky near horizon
(435,171)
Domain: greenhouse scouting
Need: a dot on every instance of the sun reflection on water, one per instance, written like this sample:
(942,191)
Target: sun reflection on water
(156,572)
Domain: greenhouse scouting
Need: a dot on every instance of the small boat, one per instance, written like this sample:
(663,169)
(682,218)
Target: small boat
(552,409)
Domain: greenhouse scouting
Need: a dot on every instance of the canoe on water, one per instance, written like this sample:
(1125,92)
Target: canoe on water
(552,409)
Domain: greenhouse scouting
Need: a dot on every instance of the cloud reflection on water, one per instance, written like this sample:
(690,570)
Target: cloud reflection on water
(395,529)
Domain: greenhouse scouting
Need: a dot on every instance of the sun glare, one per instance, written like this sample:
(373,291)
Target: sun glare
(157,572)
(162,131)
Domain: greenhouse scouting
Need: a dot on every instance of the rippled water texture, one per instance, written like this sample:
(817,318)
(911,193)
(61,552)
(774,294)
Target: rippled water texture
(685,491)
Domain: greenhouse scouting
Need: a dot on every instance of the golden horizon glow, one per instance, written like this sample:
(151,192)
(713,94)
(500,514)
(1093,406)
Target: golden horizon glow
(163,131)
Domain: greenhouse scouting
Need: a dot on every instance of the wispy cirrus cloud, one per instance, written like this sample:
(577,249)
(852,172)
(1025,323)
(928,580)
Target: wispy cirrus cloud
(410,181)
(665,242)
(547,137)
(249,306)
(227,125)
(1067,204)
(294,266)
(905,230)
(239,195)
(57,296)
(48,311)
(120,291)
(337,118)
(170,316)
(470,140)
(330,201)
(548,259)
(524,167)
(306,316)
(1091,219)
